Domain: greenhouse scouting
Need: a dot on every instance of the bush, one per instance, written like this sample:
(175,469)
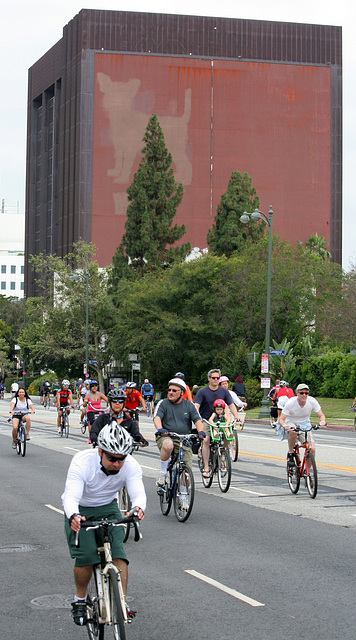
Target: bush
(254,393)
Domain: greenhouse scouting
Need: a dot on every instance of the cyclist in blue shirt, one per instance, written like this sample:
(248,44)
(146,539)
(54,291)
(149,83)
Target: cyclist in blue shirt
(148,392)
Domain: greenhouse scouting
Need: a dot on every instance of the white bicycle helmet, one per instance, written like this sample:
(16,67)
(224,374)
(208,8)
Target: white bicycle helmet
(115,439)
(178,382)
(130,385)
(65,383)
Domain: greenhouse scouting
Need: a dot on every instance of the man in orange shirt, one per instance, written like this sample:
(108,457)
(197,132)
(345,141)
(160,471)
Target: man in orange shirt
(134,398)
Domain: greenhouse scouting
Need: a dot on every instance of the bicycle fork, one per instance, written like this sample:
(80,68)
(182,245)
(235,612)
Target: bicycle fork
(102,582)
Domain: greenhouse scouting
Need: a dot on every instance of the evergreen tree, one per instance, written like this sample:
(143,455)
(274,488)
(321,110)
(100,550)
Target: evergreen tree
(228,234)
(153,199)
(317,245)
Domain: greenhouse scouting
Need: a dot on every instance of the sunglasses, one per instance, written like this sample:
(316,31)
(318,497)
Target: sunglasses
(214,377)
(114,458)
(303,393)
(173,390)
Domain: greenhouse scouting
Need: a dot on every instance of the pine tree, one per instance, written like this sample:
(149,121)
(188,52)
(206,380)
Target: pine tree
(228,234)
(153,199)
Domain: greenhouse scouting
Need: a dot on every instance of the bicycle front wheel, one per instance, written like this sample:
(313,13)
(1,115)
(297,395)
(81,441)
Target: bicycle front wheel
(116,603)
(293,477)
(311,477)
(234,447)
(94,628)
(183,498)
(224,470)
(66,427)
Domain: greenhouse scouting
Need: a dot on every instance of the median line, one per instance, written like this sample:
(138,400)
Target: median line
(50,506)
(222,587)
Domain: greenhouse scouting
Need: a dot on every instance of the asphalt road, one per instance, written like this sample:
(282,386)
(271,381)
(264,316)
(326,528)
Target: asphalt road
(288,560)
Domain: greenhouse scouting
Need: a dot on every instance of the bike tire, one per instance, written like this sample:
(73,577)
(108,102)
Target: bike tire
(124,503)
(66,427)
(118,624)
(23,440)
(224,470)
(234,447)
(165,497)
(94,627)
(185,478)
(311,477)
(83,427)
(293,477)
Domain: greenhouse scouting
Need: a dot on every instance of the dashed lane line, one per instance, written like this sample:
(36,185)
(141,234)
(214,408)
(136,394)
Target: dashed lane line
(224,588)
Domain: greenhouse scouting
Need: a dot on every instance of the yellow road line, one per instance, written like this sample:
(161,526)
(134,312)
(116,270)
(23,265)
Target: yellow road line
(319,464)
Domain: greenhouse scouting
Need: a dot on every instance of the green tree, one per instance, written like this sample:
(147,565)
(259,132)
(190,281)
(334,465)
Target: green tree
(228,234)
(55,325)
(318,245)
(153,199)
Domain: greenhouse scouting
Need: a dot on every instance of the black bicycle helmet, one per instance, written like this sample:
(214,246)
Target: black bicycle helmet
(180,375)
(116,395)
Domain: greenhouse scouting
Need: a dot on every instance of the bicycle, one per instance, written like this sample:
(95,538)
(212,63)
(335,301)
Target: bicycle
(149,408)
(305,468)
(21,437)
(179,477)
(47,401)
(124,502)
(106,603)
(219,460)
(64,428)
(85,424)
(234,442)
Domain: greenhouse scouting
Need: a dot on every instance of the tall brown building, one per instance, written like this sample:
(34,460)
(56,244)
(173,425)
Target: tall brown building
(230,95)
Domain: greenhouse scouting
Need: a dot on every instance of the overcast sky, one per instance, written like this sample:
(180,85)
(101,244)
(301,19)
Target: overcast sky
(29,29)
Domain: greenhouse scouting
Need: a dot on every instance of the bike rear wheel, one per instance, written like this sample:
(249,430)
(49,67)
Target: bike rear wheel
(293,477)
(124,505)
(83,427)
(234,447)
(183,499)
(165,496)
(66,426)
(94,628)
(311,477)
(116,604)
(21,440)
(224,470)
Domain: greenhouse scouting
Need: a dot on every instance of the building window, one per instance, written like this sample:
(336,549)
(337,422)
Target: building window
(12,286)
(3,268)
(3,285)
(13,268)
(22,286)
(22,269)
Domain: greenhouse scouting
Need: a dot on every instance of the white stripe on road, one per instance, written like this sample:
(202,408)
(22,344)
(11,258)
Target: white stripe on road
(152,468)
(49,506)
(255,493)
(72,449)
(222,587)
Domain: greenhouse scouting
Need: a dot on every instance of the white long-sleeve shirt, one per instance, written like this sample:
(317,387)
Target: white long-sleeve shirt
(88,486)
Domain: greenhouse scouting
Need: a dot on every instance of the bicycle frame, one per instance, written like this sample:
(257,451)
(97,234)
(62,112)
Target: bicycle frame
(179,473)
(302,469)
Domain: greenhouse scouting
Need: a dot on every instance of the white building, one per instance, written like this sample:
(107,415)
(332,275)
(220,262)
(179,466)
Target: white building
(12,246)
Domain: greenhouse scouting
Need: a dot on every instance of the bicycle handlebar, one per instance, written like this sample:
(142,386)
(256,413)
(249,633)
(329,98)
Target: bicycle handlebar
(96,524)
(299,429)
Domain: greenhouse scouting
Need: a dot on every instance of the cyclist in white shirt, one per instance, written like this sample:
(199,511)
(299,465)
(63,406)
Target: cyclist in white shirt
(21,406)
(94,478)
(297,412)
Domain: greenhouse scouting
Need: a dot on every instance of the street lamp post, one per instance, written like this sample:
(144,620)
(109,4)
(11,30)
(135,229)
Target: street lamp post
(245,218)
(75,277)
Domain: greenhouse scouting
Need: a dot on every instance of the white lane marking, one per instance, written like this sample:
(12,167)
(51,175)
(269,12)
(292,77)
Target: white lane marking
(222,587)
(255,493)
(145,467)
(49,506)
(72,449)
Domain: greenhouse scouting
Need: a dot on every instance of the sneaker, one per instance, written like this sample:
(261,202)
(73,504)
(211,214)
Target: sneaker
(184,502)
(89,441)
(28,437)
(79,612)
(59,430)
(14,444)
(130,613)
(290,460)
(162,479)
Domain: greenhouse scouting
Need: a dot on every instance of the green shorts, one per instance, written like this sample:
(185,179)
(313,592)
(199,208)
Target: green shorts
(187,451)
(87,554)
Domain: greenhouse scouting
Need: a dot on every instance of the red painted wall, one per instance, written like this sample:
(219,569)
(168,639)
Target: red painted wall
(271,120)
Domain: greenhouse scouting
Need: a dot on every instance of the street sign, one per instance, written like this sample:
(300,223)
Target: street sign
(132,357)
(136,366)
(264,363)
(277,352)
(265,383)
(93,361)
